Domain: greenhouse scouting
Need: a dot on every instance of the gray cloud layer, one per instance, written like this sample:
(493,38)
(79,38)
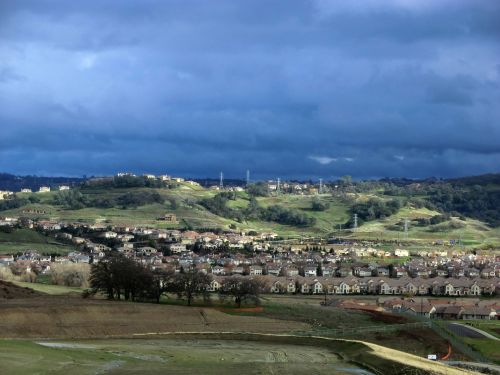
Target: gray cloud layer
(306,88)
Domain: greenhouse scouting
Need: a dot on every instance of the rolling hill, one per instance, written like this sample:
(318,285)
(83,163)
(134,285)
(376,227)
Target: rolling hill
(206,209)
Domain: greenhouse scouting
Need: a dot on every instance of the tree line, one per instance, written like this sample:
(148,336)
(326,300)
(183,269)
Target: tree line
(16,202)
(122,182)
(75,200)
(122,278)
(279,214)
(373,209)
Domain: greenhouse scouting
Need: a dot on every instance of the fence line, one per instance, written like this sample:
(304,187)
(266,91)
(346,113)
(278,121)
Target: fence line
(341,332)
(458,344)
(455,341)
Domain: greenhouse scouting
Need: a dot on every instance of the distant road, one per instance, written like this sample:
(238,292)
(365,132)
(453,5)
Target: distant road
(468,331)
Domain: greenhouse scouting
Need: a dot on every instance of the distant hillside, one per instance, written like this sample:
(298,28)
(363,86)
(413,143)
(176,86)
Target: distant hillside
(16,183)
(482,180)
(464,209)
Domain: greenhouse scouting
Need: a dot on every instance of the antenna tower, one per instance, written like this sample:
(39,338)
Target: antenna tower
(248,177)
(355,221)
(221,182)
(278,187)
(320,190)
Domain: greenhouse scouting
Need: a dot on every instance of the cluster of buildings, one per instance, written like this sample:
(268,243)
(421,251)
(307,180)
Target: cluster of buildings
(286,268)
(299,188)
(163,177)
(471,308)
(42,189)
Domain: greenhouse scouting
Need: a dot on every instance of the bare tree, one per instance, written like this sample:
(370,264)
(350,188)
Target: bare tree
(242,289)
(191,283)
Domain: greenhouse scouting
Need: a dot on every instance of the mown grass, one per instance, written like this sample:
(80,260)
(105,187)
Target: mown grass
(487,347)
(19,357)
(49,288)
(490,326)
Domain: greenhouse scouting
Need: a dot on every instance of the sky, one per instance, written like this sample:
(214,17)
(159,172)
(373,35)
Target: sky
(301,89)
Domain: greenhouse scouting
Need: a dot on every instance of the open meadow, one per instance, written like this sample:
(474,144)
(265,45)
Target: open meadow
(172,356)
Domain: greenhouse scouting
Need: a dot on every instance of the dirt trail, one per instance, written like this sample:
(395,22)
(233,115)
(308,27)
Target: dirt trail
(414,361)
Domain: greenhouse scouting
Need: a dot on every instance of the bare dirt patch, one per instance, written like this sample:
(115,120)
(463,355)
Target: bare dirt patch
(388,318)
(71,317)
(12,291)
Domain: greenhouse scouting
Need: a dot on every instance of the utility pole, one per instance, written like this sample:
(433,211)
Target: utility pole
(221,182)
(406,228)
(248,177)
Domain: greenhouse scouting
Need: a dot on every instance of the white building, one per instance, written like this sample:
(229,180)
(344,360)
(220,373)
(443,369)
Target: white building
(401,253)
(44,189)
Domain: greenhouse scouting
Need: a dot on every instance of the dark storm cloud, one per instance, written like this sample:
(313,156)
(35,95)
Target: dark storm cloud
(310,88)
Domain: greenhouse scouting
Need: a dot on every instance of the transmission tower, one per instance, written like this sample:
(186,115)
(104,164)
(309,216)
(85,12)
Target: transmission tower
(221,182)
(406,228)
(248,177)
(355,221)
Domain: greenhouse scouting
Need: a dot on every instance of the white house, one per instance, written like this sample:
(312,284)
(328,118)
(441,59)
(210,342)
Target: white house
(401,253)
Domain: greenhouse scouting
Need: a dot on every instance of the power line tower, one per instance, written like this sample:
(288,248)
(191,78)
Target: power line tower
(406,228)
(248,177)
(320,190)
(355,222)
(278,186)
(221,182)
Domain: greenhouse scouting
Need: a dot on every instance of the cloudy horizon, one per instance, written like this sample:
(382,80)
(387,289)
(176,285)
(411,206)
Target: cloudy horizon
(313,88)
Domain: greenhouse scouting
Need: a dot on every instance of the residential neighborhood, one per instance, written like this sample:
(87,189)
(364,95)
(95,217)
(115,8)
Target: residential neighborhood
(293,268)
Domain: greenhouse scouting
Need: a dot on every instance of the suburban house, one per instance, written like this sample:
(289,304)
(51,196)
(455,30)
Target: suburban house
(477,312)
(255,270)
(310,271)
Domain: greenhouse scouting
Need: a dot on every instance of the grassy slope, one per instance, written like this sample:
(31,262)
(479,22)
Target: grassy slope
(26,239)
(326,321)
(327,222)
(474,232)
(49,289)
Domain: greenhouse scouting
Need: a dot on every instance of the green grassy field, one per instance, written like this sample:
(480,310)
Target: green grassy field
(26,239)
(161,356)
(49,289)
(192,215)
(490,326)
(486,347)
